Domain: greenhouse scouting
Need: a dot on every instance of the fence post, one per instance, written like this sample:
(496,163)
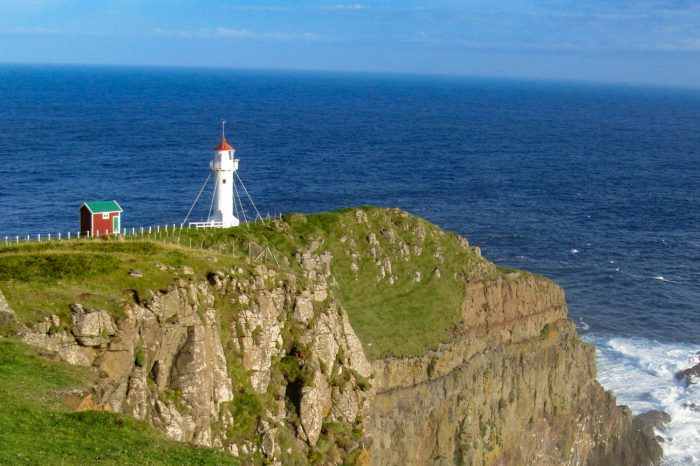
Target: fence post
(17,239)
(38,236)
(59,236)
(49,236)
(69,235)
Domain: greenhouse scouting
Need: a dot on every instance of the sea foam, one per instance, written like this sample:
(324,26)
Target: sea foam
(641,373)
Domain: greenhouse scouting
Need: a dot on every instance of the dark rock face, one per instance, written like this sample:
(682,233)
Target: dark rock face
(636,446)
(650,420)
(689,375)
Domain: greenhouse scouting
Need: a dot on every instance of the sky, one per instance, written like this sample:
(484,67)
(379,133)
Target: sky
(640,41)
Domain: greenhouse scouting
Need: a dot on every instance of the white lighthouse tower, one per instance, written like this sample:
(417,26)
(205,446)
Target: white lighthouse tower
(227,203)
(223,168)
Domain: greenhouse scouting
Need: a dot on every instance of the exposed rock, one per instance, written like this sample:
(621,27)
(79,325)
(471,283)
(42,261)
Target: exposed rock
(389,235)
(419,232)
(186,270)
(361,216)
(135,273)
(689,375)
(515,387)
(92,328)
(315,406)
(372,239)
(303,309)
(7,315)
(651,420)
(386,264)
(63,345)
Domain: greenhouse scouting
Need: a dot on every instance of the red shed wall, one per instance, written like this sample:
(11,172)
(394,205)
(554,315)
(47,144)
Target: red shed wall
(103,226)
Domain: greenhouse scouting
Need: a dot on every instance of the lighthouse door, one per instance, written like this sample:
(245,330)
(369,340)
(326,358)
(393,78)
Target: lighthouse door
(115,224)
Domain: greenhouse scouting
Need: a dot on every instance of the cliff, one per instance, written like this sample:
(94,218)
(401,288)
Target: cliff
(364,336)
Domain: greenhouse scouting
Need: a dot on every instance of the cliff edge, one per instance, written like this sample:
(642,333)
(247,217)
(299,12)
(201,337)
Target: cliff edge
(364,336)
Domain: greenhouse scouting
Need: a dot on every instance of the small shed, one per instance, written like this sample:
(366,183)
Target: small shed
(100,218)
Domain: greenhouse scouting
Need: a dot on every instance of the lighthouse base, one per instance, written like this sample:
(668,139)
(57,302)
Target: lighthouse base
(234,223)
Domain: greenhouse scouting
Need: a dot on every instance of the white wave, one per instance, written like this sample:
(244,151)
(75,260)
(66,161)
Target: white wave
(663,279)
(641,374)
(574,251)
(583,324)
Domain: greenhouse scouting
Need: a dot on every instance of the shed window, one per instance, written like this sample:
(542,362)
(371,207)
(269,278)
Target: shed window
(105,216)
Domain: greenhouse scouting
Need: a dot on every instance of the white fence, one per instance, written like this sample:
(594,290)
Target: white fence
(153,232)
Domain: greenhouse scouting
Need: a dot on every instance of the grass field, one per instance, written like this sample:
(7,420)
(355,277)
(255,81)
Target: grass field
(38,426)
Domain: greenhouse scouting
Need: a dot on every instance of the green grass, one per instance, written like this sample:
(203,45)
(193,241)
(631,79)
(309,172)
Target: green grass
(39,279)
(406,318)
(38,427)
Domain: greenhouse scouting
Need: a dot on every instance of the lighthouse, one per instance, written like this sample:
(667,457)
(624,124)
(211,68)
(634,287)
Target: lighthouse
(223,168)
(227,202)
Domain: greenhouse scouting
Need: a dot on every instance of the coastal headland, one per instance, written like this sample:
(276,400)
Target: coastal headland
(362,336)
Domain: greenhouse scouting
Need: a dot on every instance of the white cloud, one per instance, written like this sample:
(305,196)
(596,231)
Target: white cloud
(35,31)
(351,6)
(235,34)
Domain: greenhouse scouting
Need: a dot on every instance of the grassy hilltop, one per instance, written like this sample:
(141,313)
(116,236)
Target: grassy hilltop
(404,318)
(400,279)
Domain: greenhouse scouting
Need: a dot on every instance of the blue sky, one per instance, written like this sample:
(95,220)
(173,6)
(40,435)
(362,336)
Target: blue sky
(645,41)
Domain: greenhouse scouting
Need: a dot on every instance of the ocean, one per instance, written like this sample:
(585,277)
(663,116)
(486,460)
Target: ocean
(595,186)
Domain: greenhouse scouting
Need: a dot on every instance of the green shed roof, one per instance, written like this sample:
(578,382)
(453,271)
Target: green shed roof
(98,207)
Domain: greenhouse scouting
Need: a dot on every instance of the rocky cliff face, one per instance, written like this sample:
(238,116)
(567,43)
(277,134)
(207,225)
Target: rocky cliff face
(262,361)
(250,361)
(516,386)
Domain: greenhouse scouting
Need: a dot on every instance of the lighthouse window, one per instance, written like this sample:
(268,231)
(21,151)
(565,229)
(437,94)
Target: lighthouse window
(223,181)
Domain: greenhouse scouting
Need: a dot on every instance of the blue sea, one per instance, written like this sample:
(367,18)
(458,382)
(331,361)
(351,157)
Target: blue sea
(595,186)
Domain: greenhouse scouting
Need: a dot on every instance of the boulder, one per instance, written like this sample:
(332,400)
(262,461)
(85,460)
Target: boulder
(92,328)
(653,419)
(689,375)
